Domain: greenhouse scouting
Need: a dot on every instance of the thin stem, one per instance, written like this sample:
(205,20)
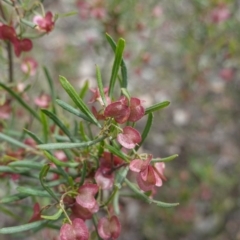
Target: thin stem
(111,197)
(10,62)
(95,223)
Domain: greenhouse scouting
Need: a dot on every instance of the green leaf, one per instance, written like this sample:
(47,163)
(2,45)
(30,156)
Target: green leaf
(26,163)
(82,133)
(13,198)
(32,192)
(22,228)
(83,173)
(73,110)
(51,86)
(111,197)
(28,23)
(42,175)
(100,150)
(58,122)
(7,169)
(165,205)
(124,82)
(15,142)
(116,205)
(126,94)
(72,13)
(141,195)
(100,85)
(117,152)
(121,175)
(21,101)
(124,75)
(45,126)
(146,130)
(58,162)
(84,90)
(156,107)
(56,216)
(52,146)
(116,65)
(77,100)
(33,136)
(166,159)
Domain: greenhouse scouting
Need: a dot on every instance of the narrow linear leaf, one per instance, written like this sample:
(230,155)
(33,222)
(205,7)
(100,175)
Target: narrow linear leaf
(15,142)
(146,198)
(28,23)
(13,198)
(12,133)
(84,90)
(146,129)
(82,133)
(32,192)
(58,122)
(126,93)
(45,126)
(116,205)
(77,100)
(51,86)
(165,205)
(135,189)
(121,176)
(58,162)
(156,107)
(124,75)
(42,175)
(116,65)
(49,225)
(110,199)
(61,138)
(123,65)
(51,183)
(26,163)
(100,149)
(117,152)
(111,42)
(100,85)
(34,36)
(22,228)
(56,216)
(33,136)
(83,173)
(72,13)
(73,110)
(166,159)
(7,169)
(52,146)
(21,101)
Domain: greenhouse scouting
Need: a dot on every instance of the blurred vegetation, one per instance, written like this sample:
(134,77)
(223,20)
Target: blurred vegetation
(183,51)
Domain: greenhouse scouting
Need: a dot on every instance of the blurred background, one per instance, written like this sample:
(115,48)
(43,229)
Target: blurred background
(183,51)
